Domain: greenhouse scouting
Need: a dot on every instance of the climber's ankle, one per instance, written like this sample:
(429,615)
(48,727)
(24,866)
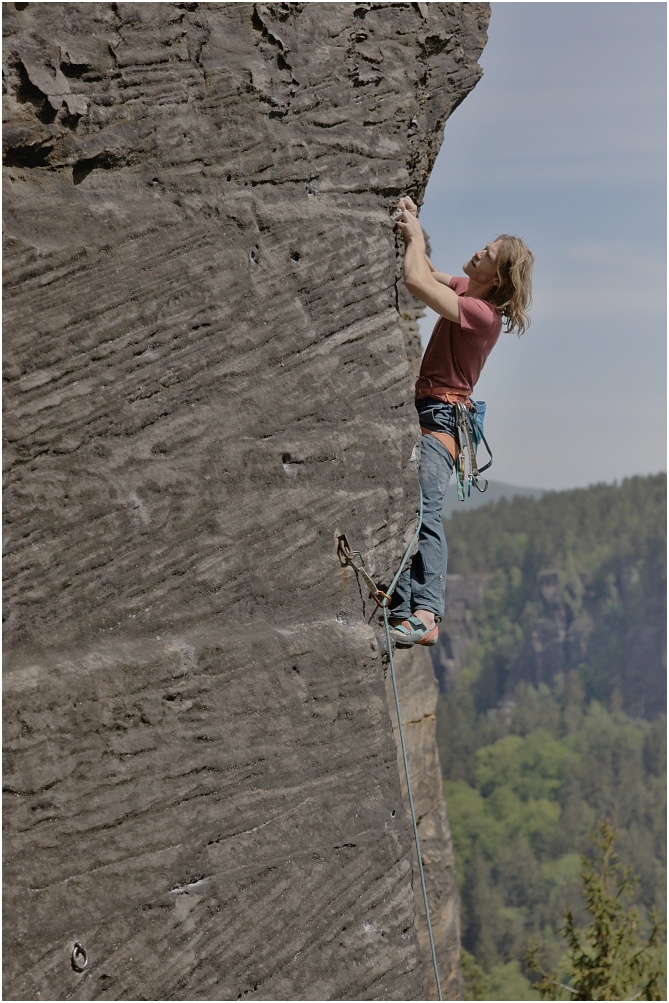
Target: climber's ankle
(395,620)
(427,616)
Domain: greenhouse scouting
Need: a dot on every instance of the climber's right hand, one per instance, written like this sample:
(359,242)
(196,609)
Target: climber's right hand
(407,204)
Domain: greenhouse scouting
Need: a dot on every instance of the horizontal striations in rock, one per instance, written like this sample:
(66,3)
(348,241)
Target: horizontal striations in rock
(154,786)
(418,693)
(206,384)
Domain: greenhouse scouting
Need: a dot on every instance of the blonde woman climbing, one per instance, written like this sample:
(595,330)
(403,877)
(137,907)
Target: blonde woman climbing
(495,292)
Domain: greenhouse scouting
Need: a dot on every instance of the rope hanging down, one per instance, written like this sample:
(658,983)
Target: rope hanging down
(346,555)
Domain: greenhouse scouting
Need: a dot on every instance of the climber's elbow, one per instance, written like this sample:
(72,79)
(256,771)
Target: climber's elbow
(414,286)
(440,298)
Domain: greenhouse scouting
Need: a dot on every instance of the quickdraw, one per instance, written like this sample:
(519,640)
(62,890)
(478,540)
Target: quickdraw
(346,555)
(470,433)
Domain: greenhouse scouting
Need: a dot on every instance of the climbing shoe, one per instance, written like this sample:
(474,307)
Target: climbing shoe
(414,631)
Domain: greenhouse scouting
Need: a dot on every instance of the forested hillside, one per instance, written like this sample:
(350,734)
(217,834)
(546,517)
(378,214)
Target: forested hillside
(557,716)
(578,580)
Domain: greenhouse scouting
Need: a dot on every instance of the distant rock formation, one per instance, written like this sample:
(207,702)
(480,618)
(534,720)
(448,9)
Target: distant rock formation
(565,631)
(572,630)
(464,595)
(206,384)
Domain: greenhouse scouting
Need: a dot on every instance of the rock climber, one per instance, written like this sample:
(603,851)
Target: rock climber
(496,291)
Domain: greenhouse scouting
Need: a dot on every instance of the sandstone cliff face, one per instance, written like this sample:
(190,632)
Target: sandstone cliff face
(418,693)
(206,385)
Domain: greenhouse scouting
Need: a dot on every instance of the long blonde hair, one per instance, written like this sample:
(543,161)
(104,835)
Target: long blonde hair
(513,294)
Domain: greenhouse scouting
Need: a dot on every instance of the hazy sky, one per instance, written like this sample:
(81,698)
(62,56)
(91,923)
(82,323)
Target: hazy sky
(563,143)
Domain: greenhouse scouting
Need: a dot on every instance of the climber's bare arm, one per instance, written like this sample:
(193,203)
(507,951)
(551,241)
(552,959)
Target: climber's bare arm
(419,277)
(407,204)
(439,276)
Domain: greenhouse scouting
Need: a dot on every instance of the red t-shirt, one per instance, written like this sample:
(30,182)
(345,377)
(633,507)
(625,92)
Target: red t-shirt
(456,353)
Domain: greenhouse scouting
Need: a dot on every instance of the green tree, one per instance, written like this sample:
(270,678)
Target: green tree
(609,958)
(476,983)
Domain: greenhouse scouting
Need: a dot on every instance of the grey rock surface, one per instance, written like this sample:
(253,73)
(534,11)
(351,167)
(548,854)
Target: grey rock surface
(418,693)
(206,383)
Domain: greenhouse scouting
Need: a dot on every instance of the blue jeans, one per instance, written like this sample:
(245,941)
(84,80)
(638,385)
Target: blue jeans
(422,584)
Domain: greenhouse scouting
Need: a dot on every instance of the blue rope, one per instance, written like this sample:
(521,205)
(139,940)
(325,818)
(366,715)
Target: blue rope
(384,607)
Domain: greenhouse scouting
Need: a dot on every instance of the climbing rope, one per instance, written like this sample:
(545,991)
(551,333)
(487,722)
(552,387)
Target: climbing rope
(346,555)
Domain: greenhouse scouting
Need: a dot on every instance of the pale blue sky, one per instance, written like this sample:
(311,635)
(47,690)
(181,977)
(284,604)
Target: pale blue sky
(563,143)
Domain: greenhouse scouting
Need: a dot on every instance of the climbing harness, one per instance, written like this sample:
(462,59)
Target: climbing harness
(346,556)
(469,428)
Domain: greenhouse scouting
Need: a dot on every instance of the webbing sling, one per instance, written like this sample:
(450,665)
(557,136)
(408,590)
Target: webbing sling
(346,555)
(470,433)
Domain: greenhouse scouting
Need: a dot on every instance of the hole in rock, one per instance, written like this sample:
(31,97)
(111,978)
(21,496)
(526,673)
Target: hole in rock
(82,169)
(74,70)
(104,161)
(257,22)
(28,156)
(295,255)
